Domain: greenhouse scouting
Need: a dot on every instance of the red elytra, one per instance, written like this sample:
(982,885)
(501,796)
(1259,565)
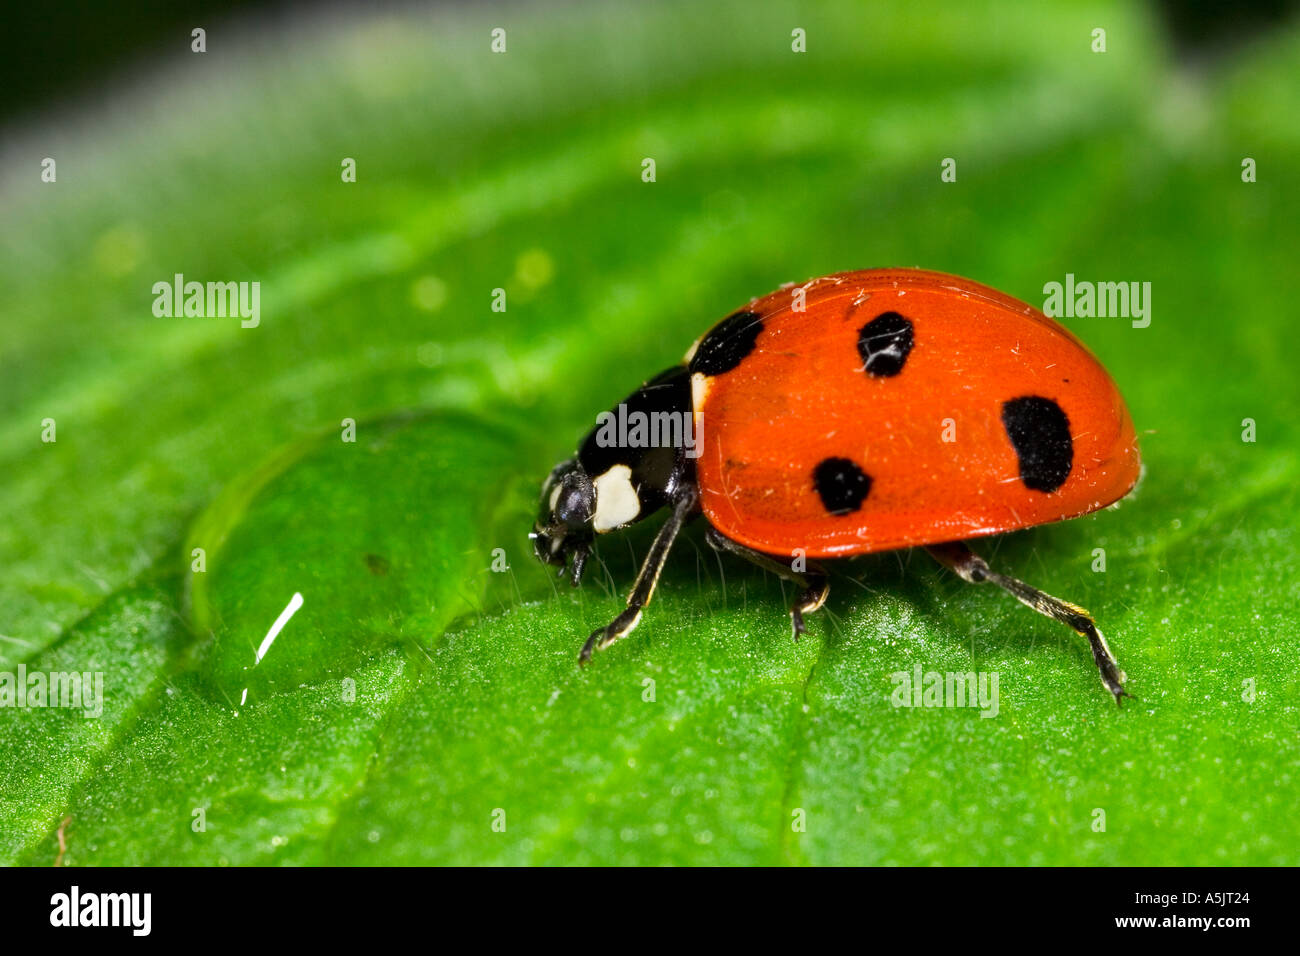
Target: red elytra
(859,412)
(931,436)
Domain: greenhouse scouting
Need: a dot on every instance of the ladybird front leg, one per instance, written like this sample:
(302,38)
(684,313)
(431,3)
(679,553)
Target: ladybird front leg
(972,568)
(683,509)
(814,581)
(580,554)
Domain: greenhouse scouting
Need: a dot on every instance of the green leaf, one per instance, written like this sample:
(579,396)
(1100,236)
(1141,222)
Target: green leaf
(422,707)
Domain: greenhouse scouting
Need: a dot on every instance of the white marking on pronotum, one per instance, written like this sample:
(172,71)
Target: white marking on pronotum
(295,602)
(616,500)
(700,385)
(690,353)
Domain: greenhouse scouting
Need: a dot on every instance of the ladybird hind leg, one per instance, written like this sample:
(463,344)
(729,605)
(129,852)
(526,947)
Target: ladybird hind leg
(683,510)
(814,582)
(972,568)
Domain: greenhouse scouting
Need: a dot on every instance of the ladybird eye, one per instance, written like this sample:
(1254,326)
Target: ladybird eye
(576,502)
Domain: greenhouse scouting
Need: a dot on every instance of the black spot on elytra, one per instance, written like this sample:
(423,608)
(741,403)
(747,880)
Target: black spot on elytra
(841,484)
(727,343)
(377,564)
(884,344)
(1040,434)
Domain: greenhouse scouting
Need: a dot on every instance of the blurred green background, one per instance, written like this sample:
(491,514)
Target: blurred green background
(422,708)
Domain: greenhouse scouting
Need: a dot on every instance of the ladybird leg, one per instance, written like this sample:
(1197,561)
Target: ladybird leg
(579,563)
(972,568)
(812,598)
(814,581)
(644,588)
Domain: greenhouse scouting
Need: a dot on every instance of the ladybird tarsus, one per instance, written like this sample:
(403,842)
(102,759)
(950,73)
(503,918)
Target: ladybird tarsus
(815,593)
(602,637)
(1111,675)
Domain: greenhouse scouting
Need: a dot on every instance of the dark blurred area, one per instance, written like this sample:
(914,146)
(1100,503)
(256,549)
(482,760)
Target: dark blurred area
(63,51)
(1204,28)
(52,54)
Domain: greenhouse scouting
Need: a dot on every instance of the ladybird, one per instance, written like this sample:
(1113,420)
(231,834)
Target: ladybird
(859,412)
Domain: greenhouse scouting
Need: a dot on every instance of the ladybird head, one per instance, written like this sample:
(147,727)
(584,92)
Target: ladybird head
(564,519)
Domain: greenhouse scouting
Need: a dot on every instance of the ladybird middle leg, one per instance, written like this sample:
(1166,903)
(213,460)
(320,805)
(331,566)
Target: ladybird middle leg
(973,569)
(814,581)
